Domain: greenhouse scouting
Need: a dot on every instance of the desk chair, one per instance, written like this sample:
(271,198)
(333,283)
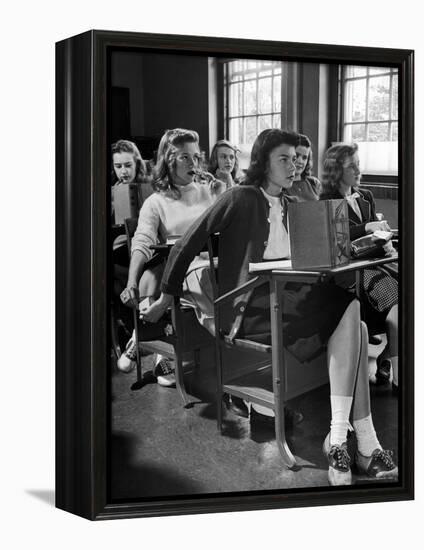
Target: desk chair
(188,335)
(268,382)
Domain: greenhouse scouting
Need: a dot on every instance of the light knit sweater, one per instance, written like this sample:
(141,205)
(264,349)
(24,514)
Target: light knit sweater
(163,215)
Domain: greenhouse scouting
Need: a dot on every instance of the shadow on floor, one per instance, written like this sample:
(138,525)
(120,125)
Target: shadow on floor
(45,495)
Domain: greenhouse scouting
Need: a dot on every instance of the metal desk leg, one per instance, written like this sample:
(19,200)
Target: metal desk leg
(179,378)
(278,373)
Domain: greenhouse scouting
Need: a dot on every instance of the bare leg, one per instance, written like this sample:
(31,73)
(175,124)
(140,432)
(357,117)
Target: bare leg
(343,356)
(343,352)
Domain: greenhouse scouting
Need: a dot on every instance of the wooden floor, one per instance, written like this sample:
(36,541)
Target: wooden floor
(160,449)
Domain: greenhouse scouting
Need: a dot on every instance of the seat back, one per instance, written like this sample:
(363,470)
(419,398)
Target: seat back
(130,228)
(188,335)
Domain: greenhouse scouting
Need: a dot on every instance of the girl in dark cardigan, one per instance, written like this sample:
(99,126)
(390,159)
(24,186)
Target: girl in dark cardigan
(380,307)
(251,221)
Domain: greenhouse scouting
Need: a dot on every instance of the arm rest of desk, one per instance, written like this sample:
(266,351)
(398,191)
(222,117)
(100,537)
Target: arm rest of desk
(245,287)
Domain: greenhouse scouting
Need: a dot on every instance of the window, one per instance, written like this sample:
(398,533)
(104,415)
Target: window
(253,100)
(370,116)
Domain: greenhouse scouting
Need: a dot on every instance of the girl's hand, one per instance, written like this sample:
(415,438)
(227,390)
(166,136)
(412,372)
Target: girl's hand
(389,249)
(226,177)
(370,227)
(155,311)
(129,296)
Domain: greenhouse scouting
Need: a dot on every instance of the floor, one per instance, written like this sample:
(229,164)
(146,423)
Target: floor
(159,449)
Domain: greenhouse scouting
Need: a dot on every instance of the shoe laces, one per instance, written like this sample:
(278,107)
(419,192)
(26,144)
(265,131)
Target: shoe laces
(340,457)
(165,366)
(131,349)
(386,457)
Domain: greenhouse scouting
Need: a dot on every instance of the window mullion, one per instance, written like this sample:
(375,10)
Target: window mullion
(367,91)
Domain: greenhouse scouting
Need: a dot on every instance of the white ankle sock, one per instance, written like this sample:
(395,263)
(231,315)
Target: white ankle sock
(394,361)
(340,411)
(366,436)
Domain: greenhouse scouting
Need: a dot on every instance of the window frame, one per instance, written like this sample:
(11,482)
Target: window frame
(373,179)
(226,93)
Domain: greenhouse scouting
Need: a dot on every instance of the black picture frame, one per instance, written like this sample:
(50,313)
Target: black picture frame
(82,217)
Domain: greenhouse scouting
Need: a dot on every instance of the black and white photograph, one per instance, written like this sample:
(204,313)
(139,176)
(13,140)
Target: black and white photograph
(211,287)
(255,298)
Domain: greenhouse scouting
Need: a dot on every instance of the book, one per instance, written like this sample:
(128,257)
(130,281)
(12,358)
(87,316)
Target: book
(319,233)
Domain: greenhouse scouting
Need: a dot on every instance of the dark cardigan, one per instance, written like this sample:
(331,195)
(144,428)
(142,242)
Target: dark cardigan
(241,215)
(366,204)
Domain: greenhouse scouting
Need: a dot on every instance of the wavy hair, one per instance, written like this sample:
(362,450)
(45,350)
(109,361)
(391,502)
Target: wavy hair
(125,146)
(334,159)
(213,161)
(304,141)
(264,144)
(169,144)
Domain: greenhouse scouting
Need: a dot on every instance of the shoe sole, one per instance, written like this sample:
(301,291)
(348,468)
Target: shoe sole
(391,474)
(336,478)
(165,382)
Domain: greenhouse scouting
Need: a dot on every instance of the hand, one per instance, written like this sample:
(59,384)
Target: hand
(155,311)
(216,186)
(225,177)
(370,227)
(130,297)
(389,249)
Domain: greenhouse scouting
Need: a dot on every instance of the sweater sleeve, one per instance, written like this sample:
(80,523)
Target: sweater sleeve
(147,230)
(213,220)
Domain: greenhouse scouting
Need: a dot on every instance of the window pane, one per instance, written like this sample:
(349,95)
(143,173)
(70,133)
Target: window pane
(277,94)
(250,97)
(276,121)
(352,71)
(378,98)
(378,132)
(395,113)
(378,70)
(251,131)
(235,136)
(235,99)
(267,72)
(354,132)
(394,136)
(264,122)
(355,100)
(264,95)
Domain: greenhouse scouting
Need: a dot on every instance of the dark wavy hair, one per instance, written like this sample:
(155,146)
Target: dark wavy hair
(264,144)
(125,146)
(304,141)
(213,161)
(334,159)
(169,144)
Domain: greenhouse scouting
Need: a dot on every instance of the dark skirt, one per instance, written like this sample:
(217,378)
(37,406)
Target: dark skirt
(311,313)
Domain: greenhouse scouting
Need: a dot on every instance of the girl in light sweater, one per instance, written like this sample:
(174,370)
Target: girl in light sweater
(180,198)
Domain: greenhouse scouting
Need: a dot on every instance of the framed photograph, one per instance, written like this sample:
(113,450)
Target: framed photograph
(234,275)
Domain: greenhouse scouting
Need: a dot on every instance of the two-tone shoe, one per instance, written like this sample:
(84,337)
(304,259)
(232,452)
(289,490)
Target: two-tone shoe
(379,465)
(339,472)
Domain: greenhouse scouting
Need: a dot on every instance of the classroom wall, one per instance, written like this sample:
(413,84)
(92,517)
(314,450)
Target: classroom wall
(168,91)
(127,72)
